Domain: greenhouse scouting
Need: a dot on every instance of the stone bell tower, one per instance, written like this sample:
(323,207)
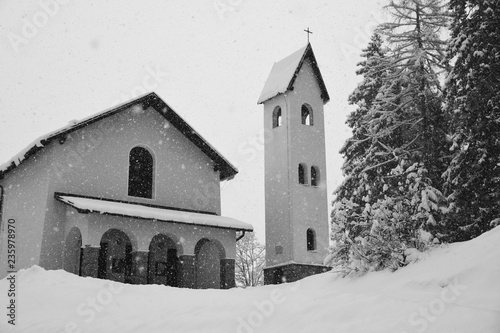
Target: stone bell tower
(295,169)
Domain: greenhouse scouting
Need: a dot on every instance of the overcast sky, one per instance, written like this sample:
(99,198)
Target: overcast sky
(207,59)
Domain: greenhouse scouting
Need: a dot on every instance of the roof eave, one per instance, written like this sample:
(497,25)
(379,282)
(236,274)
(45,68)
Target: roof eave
(58,196)
(227,170)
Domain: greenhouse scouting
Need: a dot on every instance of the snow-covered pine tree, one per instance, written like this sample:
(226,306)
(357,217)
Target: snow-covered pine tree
(395,184)
(355,148)
(473,103)
(415,38)
(348,221)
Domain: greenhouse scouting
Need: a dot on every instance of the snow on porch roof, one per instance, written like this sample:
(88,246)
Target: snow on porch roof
(136,210)
(284,73)
(227,170)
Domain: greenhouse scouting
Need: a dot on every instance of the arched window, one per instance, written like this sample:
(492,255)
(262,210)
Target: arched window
(314,176)
(302,174)
(306,115)
(277,119)
(311,239)
(140,173)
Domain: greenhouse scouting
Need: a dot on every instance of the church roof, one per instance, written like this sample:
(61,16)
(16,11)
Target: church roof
(227,170)
(284,72)
(149,212)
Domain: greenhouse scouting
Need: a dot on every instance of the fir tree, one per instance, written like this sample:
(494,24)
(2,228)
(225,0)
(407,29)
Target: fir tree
(355,148)
(418,53)
(348,219)
(473,103)
(391,194)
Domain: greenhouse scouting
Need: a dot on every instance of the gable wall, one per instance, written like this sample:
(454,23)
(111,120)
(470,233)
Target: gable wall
(94,162)
(24,201)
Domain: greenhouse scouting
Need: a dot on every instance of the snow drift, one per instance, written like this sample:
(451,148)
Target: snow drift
(455,288)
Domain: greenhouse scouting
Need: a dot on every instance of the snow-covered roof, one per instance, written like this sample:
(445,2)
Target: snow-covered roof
(284,73)
(227,170)
(136,210)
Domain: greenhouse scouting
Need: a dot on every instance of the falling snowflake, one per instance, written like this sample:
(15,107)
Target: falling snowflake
(137,109)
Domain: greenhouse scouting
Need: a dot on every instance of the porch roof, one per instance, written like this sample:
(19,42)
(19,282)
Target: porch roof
(142,211)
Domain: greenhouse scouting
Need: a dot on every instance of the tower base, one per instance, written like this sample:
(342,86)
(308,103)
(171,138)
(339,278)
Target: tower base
(291,272)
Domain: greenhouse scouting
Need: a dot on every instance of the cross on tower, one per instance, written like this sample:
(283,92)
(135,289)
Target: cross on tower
(308,33)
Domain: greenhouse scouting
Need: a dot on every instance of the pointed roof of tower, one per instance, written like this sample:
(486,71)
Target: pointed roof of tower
(284,73)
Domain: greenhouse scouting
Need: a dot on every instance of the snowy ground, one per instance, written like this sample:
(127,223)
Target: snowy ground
(454,289)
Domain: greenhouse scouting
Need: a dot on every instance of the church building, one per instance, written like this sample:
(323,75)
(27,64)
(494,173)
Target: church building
(297,235)
(131,194)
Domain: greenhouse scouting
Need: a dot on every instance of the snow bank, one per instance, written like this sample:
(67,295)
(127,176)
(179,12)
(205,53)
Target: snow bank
(454,289)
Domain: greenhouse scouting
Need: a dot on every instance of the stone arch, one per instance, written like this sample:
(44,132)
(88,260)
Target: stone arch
(72,251)
(115,256)
(208,253)
(132,238)
(163,260)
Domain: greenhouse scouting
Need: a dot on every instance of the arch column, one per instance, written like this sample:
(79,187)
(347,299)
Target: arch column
(227,273)
(72,251)
(187,278)
(89,262)
(139,270)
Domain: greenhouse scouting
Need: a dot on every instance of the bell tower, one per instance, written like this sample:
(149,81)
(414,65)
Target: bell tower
(295,169)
